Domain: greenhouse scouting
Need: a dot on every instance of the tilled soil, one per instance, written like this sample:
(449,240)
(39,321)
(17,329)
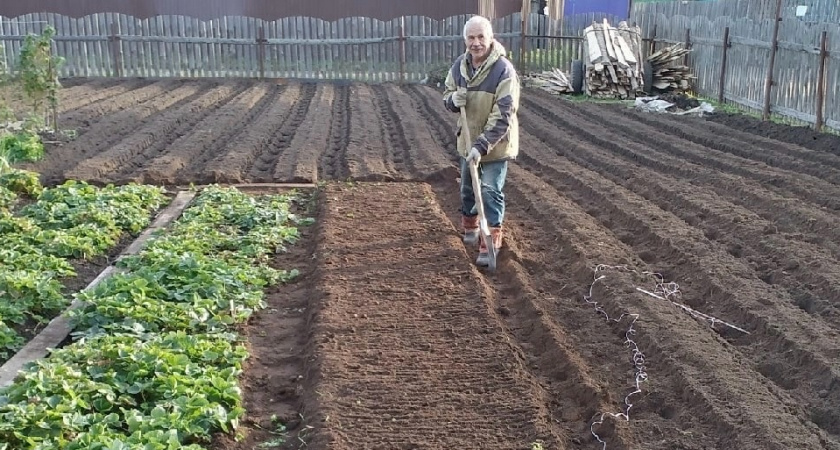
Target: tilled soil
(404,343)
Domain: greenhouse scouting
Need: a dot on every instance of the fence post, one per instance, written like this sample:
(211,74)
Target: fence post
(116,52)
(726,46)
(687,45)
(526,25)
(402,48)
(774,46)
(821,81)
(261,41)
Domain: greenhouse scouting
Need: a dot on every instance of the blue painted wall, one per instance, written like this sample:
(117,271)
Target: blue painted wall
(616,7)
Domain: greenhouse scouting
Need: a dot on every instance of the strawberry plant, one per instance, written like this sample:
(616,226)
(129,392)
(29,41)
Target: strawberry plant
(155,358)
(21,146)
(74,220)
(16,148)
(133,388)
(7,198)
(21,182)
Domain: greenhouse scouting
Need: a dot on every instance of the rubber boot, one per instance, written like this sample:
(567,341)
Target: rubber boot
(483,252)
(470,225)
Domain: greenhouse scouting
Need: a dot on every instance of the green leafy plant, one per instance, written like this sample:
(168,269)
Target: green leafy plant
(21,146)
(22,182)
(73,220)
(7,198)
(155,358)
(38,72)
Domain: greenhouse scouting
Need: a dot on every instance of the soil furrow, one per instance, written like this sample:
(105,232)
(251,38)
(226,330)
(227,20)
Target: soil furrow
(300,164)
(263,165)
(809,277)
(441,121)
(91,92)
(788,215)
(408,354)
(71,160)
(808,271)
(144,93)
(152,134)
(288,141)
(231,165)
(716,278)
(393,135)
(367,154)
(71,82)
(623,132)
(661,416)
(779,133)
(243,143)
(214,131)
(526,305)
(196,169)
(426,157)
(171,130)
(332,164)
(746,145)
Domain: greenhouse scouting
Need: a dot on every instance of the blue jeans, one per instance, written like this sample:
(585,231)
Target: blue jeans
(492,176)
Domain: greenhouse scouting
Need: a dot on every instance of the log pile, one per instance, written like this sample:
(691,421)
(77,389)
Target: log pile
(612,58)
(668,77)
(613,66)
(553,81)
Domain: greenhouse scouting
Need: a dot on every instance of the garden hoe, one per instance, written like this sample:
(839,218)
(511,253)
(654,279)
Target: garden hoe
(476,183)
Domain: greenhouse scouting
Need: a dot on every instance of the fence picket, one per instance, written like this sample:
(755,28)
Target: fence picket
(359,48)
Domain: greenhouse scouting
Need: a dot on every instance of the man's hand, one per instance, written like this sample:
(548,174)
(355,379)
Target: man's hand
(459,98)
(474,155)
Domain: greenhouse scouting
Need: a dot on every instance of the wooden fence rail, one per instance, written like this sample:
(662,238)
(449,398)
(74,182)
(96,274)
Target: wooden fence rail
(357,48)
(789,67)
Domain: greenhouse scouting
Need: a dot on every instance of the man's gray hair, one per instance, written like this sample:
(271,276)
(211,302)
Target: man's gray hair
(481,21)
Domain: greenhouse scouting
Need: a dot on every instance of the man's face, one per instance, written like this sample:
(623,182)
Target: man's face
(478,41)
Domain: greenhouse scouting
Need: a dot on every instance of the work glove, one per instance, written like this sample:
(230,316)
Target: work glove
(459,98)
(474,156)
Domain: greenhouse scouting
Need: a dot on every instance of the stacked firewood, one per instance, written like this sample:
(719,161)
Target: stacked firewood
(553,81)
(667,76)
(612,59)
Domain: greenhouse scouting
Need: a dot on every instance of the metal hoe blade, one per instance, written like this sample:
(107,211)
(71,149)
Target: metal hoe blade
(482,220)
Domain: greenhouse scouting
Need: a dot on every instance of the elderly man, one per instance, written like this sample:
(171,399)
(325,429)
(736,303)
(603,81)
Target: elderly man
(484,81)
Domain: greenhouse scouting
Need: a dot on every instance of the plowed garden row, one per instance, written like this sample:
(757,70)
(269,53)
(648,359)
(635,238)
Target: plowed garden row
(393,339)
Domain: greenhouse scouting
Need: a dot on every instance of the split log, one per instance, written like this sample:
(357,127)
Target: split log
(613,66)
(553,81)
(668,77)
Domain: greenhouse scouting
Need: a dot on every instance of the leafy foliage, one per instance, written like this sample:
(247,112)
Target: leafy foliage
(127,389)
(18,147)
(74,220)
(156,360)
(21,146)
(38,69)
(21,182)
(7,198)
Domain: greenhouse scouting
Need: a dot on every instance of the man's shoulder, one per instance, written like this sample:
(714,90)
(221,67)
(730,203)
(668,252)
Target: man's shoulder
(506,63)
(504,68)
(458,60)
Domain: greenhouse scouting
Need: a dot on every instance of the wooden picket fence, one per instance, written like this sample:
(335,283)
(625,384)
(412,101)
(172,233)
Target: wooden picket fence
(734,55)
(356,48)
